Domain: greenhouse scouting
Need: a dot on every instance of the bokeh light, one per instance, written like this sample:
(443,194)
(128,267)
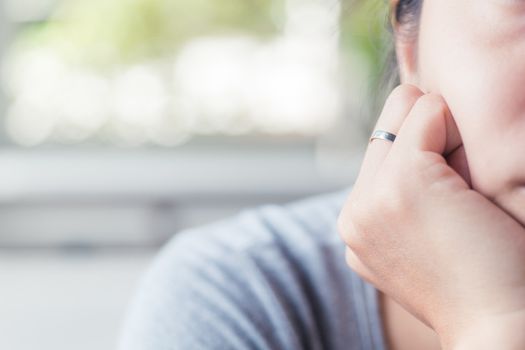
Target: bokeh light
(237,82)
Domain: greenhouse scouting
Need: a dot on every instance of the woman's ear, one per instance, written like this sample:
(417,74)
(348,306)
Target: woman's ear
(406,52)
(406,43)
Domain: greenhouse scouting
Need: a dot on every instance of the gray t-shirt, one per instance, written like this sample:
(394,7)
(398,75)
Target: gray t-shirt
(270,277)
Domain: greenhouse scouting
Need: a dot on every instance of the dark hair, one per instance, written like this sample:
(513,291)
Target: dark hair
(402,24)
(405,15)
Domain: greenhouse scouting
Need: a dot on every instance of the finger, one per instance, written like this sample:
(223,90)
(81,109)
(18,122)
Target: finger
(396,108)
(430,127)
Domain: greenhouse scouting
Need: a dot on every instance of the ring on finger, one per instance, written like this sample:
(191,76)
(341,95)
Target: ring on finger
(383,135)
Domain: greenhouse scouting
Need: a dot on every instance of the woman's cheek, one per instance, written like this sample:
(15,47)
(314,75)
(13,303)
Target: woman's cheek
(493,136)
(472,105)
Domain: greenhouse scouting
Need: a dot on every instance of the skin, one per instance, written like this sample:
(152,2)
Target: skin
(485,47)
(404,331)
(467,66)
(481,77)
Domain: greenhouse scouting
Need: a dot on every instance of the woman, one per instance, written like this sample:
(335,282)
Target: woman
(433,225)
(449,242)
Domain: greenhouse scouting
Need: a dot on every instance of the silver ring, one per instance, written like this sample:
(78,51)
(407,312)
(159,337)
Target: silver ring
(383,135)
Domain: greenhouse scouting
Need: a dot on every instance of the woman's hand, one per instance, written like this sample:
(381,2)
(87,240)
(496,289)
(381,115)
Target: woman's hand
(416,230)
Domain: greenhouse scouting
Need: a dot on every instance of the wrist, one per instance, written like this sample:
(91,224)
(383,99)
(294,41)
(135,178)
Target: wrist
(496,332)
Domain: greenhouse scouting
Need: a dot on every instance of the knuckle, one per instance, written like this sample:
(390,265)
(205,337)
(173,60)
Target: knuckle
(345,228)
(360,215)
(352,261)
(363,223)
(350,258)
(349,228)
(431,103)
(404,94)
(366,220)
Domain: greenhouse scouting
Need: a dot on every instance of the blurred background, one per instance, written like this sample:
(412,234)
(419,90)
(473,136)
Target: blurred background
(125,121)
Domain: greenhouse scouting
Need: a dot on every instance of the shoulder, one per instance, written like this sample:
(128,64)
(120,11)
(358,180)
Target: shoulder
(295,227)
(265,278)
(269,224)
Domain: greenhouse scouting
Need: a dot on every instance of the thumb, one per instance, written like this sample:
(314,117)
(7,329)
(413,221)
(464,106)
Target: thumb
(430,128)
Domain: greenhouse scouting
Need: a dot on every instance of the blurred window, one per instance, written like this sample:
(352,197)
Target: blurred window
(161,72)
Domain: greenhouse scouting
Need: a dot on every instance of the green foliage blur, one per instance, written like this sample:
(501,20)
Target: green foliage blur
(365,29)
(102,32)
(106,34)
